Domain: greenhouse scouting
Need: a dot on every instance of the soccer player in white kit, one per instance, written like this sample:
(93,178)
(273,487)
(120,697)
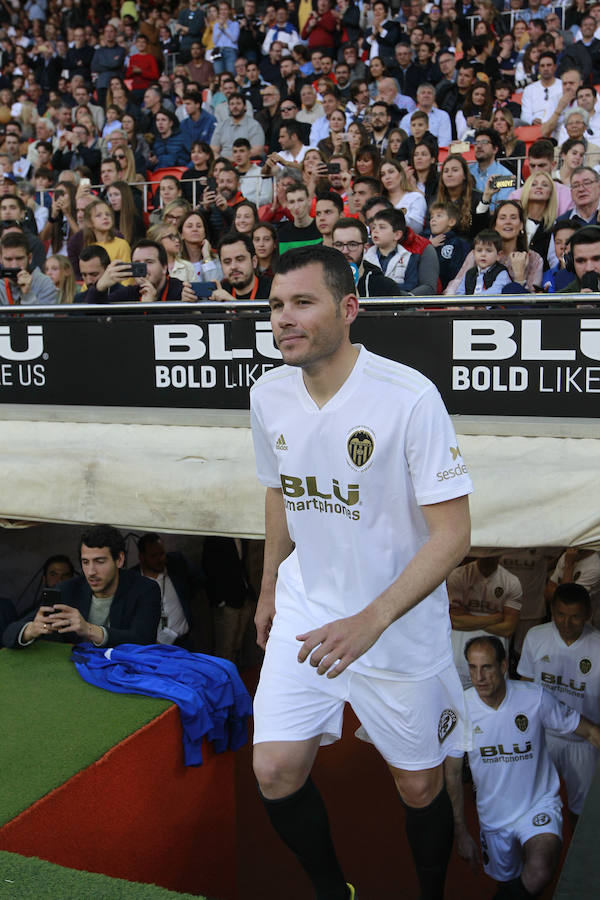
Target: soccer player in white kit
(517,786)
(564,657)
(366,513)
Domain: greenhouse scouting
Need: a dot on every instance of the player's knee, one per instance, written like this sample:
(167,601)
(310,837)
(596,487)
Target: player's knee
(276,774)
(538,871)
(418,789)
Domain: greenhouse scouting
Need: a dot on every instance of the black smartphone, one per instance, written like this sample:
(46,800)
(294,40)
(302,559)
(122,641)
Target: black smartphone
(139,270)
(211,183)
(590,281)
(333,168)
(50,596)
(9,271)
(203,288)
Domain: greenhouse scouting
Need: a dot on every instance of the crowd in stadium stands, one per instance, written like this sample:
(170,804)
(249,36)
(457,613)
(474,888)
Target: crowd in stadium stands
(443,148)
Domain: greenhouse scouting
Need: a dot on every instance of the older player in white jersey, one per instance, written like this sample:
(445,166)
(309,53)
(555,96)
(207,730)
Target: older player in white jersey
(564,657)
(366,513)
(517,786)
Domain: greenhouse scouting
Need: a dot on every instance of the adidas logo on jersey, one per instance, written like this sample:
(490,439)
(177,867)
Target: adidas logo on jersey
(280,444)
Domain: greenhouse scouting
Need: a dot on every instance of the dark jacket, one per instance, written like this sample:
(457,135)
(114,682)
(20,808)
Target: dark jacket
(128,293)
(226,577)
(373,283)
(451,255)
(489,277)
(183,580)
(134,612)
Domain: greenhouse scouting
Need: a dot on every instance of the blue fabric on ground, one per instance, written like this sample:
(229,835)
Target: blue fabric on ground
(209,692)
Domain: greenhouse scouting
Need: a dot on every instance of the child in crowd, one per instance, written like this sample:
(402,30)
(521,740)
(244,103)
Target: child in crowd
(557,277)
(388,254)
(451,249)
(487,276)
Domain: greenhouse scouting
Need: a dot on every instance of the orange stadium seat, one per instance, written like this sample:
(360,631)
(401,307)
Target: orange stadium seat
(529,133)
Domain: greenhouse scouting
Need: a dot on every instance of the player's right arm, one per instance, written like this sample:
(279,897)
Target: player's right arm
(278,546)
(465,845)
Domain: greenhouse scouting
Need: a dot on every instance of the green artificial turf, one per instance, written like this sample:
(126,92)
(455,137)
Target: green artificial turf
(54,724)
(25,878)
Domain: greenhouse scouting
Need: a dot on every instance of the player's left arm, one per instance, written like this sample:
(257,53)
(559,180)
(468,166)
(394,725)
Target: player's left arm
(334,646)
(589,730)
(465,845)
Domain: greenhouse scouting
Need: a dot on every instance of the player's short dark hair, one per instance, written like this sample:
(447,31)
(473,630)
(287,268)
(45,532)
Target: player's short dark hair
(492,641)
(337,273)
(95,251)
(587,234)
(297,186)
(146,244)
(236,237)
(103,536)
(492,135)
(394,217)
(146,540)
(353,223)
(377,201)
(548,53)
(371,182)
(292,127)
(570,593)
(58,558)
(334,197)
(488,236)
(242,142)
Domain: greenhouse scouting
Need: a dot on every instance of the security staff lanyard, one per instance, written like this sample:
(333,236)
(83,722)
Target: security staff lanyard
(9,295)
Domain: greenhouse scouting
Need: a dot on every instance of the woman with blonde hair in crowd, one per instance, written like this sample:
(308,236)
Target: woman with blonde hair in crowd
(397,190)
(175,212)
(127,219)
(126,161)
(540,205)
(169,237)
(99,228)
(60,270)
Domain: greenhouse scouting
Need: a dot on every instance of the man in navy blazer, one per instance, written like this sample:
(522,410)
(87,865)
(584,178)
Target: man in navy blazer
(107,605)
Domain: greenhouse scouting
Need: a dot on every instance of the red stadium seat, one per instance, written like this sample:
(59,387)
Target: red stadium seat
(529,133)
(155,177)
(444,151)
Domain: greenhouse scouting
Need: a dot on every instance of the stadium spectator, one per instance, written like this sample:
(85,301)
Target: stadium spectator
(154,287)
(241,280)
(350,237)
(28,285)
(237,124)
(266,248)
(60,270)
(302,230)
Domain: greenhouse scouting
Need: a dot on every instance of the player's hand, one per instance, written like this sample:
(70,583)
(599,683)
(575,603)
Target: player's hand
(334,646)
(68,619)
(467,848)
(265,613)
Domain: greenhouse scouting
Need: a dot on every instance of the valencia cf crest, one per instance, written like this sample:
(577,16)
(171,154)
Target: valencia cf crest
(498,591)
(360,447)
(541,819)
(584,666)
(447,723)
(522,722)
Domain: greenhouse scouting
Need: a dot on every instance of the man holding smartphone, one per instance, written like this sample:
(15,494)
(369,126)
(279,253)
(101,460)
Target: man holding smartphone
(152,282)
(107,605)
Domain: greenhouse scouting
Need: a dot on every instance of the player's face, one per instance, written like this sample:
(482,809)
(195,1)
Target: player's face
(569,619)
(308,325)
(487,674)
(101,570)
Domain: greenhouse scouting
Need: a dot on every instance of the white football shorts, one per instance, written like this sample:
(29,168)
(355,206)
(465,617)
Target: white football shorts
(413,724)
(501,851)
(576,762)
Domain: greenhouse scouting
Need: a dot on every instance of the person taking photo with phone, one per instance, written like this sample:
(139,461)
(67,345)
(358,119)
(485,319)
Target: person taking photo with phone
(487,171)
(151,280)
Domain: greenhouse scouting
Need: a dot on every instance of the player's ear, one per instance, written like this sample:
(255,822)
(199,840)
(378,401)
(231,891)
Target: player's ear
(349,308)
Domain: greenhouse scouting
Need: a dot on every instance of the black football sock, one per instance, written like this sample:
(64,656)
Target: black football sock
(430,832)
(513,890)
(302,823)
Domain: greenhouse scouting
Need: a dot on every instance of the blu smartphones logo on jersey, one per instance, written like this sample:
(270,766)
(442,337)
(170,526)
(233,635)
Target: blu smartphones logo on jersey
(557,681)
(487,345)
(496,754)
(18,348)
(307,496)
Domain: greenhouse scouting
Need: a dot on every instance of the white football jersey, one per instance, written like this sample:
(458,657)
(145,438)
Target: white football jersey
(354,475)
(586,571)
(511,767)
(572,672)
